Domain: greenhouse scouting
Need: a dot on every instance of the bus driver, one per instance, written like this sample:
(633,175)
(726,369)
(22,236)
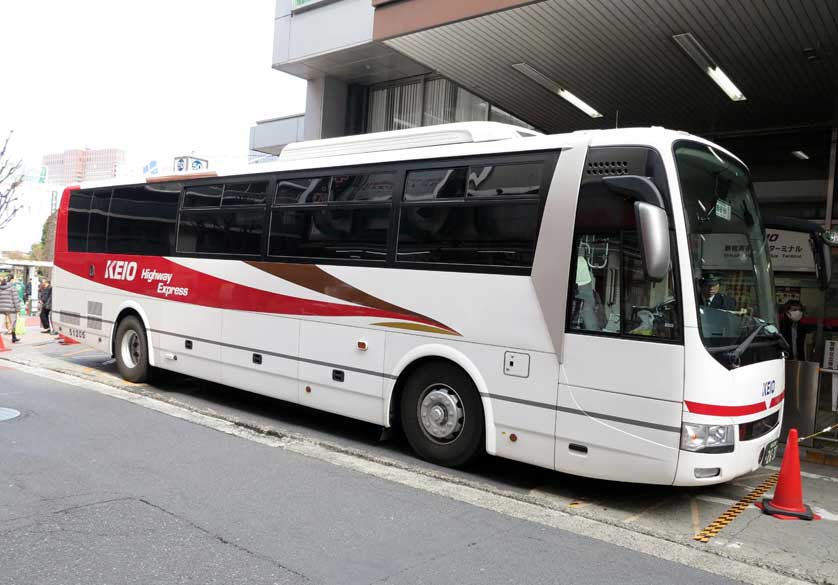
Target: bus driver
(712,297)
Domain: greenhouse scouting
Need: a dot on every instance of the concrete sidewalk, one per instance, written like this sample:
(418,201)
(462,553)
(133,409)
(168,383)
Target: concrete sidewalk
(32,337)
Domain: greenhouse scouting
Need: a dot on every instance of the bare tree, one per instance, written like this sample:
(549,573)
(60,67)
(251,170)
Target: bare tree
(10,179)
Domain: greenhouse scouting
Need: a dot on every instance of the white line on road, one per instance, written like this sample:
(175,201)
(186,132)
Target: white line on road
(822,512)
(694,516)
(717,500)
(651,508)
(77,352)
(628,539)
(809,475)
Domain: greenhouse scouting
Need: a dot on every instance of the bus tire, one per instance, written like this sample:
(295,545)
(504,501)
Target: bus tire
(131,350)
(442,415)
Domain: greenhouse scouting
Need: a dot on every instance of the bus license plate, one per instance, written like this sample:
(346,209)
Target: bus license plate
(770,452)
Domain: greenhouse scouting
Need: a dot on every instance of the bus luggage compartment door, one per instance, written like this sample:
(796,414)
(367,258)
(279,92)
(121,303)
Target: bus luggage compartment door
(358,357)
(181,323)
(260,353)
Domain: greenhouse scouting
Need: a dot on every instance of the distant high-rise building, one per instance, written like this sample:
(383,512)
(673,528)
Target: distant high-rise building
(77,165)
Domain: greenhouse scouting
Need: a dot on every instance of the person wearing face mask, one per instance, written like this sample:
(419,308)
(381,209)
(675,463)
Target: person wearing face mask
(793,330)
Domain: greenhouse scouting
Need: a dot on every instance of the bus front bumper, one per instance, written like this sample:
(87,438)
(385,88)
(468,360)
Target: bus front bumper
(745,458)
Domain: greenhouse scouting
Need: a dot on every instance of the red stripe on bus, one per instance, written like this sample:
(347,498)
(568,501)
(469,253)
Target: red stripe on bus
(187,285)
(742,410)
(828,321)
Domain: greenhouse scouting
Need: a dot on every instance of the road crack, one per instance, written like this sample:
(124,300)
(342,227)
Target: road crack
(226,541)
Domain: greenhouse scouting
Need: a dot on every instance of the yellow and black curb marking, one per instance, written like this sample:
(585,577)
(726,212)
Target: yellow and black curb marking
(731,513)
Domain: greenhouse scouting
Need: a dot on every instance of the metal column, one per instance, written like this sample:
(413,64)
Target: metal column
(830,185)
(830,198)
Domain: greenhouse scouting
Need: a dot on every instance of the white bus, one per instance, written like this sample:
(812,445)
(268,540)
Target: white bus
(599,303)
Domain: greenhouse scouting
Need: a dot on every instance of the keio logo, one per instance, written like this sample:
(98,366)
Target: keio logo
(120,270)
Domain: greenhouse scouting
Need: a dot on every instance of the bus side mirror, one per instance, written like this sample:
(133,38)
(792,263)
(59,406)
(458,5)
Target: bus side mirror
(653,226)
(652,223)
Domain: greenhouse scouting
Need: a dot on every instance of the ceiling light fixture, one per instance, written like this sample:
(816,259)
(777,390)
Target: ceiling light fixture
(553,86)
(799,154)
(702,58)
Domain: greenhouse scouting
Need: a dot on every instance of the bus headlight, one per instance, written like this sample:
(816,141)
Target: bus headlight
(707,438)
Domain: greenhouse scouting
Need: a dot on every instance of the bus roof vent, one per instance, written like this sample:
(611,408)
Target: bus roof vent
(442,134)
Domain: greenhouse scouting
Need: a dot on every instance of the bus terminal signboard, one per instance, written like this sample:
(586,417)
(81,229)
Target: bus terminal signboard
(789,251)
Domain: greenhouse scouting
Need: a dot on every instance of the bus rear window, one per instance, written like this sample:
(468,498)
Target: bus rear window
(77,220)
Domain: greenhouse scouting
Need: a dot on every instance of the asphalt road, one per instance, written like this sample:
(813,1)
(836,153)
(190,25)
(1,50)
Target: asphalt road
(98,490)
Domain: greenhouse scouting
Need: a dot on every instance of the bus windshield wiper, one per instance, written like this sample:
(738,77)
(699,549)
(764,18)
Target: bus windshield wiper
(736,355)
(783,343)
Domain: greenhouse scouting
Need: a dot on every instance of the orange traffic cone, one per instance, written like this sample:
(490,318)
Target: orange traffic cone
(788,496)
(63,339)
(3,344)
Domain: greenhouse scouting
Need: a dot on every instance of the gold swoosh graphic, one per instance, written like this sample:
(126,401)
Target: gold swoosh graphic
(314,278)
(416,327)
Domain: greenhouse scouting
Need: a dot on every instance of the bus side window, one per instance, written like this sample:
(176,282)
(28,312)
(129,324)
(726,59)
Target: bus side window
(484,214)
(610,293)
(344,217)
(142,219)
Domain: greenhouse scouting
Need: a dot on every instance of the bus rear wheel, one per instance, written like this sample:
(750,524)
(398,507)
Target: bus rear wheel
(131,350)
(442,415)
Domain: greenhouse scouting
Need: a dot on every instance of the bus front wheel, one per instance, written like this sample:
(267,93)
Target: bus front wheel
(442,415)
(132,350)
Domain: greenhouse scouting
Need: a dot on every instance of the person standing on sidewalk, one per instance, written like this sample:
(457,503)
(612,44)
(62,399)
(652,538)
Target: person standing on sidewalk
(10,305)
(45,298)
(21,290)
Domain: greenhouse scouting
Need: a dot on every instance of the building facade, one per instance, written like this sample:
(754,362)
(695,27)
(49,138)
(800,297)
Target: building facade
(562,65)
(76,165)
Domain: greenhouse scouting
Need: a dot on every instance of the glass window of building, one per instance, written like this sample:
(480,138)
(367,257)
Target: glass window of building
(498,115)
(440,101)
(429,101)
(470,108)
(395,107)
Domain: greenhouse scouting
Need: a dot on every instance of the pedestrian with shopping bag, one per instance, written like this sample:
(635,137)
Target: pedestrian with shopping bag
(10,305)
(20,326)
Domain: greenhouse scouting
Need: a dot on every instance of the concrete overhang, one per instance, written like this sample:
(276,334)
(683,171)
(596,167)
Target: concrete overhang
(271,136)
(621,58)
(335,39)
(363,64)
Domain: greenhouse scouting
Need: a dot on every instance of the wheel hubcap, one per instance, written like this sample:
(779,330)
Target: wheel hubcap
(441,413)
(131,349)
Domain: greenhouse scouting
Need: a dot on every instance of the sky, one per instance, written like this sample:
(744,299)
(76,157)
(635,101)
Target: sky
(157,78)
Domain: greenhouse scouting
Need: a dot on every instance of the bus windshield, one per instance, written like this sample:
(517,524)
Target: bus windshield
(731,272)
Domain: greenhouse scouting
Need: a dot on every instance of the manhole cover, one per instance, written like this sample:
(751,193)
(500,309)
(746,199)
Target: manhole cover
(8,413)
